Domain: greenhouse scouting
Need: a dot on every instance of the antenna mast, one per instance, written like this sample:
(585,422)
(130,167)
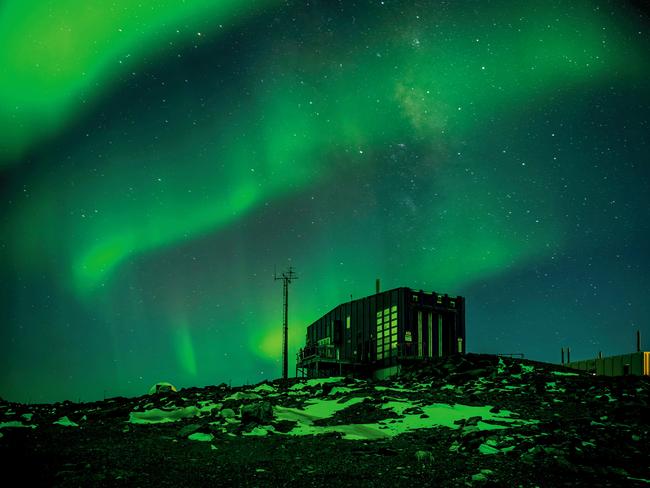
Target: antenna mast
(286,278)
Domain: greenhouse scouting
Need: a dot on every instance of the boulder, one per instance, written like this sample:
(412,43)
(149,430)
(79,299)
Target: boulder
(227,413)
(189,429)
(162,387)
(260,413)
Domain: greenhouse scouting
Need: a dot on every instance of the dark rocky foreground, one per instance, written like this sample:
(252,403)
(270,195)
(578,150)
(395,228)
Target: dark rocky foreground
(463,421)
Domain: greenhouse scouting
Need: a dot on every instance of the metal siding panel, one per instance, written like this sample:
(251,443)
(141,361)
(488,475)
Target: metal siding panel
(461,321)
(430,334)
(419,312)
(440,335)
(636,363)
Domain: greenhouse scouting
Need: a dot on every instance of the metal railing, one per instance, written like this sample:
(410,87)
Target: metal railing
(323,351)
(406,350)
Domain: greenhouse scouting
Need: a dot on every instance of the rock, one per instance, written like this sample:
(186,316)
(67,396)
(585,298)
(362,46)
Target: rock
(227,413)
(188,429)
(482,475)
(162,387)
(464,377)
(284,426)
(473,420)
(424,457)
(260,412)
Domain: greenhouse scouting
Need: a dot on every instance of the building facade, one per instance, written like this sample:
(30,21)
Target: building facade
(380,332)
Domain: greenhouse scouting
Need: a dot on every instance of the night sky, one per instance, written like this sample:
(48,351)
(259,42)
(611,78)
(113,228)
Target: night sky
(159,158)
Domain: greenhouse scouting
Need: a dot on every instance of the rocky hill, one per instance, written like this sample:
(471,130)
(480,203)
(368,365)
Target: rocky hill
(473,420)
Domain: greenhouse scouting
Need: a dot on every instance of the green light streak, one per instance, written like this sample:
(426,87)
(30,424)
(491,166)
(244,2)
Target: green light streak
(311,124)
(184,348)
(58,55)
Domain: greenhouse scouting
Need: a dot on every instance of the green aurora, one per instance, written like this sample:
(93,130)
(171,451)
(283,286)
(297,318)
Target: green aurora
(159,159)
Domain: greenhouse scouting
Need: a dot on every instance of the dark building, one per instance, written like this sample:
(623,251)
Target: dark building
(376,334)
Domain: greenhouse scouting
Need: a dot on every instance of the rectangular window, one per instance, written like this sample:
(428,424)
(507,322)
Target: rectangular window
(347,322)
(394,309)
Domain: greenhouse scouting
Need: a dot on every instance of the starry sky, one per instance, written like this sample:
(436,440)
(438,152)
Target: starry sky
(159,158)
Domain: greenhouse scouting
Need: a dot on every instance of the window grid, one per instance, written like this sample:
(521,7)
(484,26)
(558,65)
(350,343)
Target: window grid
(387,332)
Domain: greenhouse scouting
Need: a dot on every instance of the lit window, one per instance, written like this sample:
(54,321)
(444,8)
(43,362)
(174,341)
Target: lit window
(415,298)
(347,322)
(378,314)
(439,299)
(394,308)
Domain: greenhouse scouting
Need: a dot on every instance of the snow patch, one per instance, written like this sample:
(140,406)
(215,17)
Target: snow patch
(242,395)
(563,373)
(264,387)
(158,416)
(15,423)
(66,422)
(201,437)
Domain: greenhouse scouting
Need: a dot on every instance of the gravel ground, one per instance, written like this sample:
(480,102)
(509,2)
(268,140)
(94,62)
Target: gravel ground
(546,426)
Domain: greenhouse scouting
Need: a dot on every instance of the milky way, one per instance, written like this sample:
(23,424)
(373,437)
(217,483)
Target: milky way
(158,160)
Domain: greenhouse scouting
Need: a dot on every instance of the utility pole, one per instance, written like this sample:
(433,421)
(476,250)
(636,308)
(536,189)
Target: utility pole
(286,278)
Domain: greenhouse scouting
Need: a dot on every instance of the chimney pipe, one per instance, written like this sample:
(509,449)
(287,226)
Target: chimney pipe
(568,354)
(377,285)
(562,355)
(638,340)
